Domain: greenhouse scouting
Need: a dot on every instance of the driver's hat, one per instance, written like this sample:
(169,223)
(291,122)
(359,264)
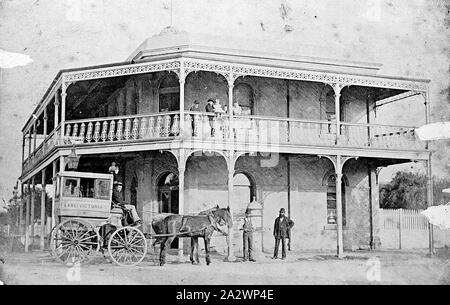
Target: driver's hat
(118,183)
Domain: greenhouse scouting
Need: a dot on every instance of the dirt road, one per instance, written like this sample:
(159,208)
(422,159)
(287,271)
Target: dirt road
(300,268)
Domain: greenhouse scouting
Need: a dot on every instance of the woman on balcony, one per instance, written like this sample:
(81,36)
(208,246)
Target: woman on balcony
(237,110)
(218,108)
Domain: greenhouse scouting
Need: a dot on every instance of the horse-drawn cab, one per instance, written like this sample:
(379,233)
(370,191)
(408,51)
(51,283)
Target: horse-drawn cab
(85,195)
(85,222)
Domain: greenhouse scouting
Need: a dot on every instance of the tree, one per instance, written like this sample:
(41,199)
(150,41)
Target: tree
(12,214)
(438,185)
(409,191)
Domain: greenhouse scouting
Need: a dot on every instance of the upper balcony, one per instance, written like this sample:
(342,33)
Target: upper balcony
(287,105)
(243,131)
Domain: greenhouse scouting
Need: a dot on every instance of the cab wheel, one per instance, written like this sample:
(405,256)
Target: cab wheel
(127,246)
(74,241)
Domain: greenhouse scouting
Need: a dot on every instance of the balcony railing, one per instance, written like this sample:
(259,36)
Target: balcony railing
(261,130)
(275,130)
(379,136)
(123,128)
(50,142)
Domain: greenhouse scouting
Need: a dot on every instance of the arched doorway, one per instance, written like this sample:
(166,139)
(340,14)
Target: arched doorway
(168,193)
(244,188)
(168,197)
(243,192)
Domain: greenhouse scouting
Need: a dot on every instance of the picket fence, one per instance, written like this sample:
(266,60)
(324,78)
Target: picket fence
(408,229)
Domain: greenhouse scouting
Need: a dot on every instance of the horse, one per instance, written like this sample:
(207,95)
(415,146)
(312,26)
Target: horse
(224,218)
(195,226)
(159,226)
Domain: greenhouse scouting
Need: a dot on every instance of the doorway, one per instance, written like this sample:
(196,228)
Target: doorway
(168,197)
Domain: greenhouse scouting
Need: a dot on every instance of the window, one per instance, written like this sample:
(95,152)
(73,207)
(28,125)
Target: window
(112,108)
(328,110)
(71,187)
(102,189)
(56,183)
(331,200)
(169,94)
(243,95)
(86,188)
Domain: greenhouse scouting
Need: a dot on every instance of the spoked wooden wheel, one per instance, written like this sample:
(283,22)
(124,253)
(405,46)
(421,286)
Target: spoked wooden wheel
(127,246)
(73,241)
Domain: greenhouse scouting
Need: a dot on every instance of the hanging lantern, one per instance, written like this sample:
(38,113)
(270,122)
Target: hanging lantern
(72,159)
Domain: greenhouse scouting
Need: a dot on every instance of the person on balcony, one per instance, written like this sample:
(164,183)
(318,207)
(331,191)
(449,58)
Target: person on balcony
(218,108)
(117,202)
(281,231)
(209,108)
(219,111)
(237,110)
(194,107)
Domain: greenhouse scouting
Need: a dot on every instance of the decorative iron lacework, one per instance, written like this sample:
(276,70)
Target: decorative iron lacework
(233,71)
(119,71)
(223,69)
(241,70)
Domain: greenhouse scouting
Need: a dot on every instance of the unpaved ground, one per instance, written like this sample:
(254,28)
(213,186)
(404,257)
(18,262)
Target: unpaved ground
(299,268)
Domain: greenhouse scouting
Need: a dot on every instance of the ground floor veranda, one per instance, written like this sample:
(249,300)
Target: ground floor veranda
(189,181)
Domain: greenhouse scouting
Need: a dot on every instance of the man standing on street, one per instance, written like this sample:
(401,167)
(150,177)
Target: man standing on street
(247,227)
(281,230)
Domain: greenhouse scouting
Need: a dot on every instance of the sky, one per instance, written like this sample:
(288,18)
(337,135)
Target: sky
(411,38)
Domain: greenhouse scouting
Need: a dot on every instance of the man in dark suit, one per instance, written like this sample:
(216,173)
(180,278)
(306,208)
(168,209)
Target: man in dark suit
(247,227)
(209,108)
(281,230)
(117,202)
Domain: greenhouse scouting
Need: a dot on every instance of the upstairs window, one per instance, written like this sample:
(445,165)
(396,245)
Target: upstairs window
(169,93)
(243,94)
